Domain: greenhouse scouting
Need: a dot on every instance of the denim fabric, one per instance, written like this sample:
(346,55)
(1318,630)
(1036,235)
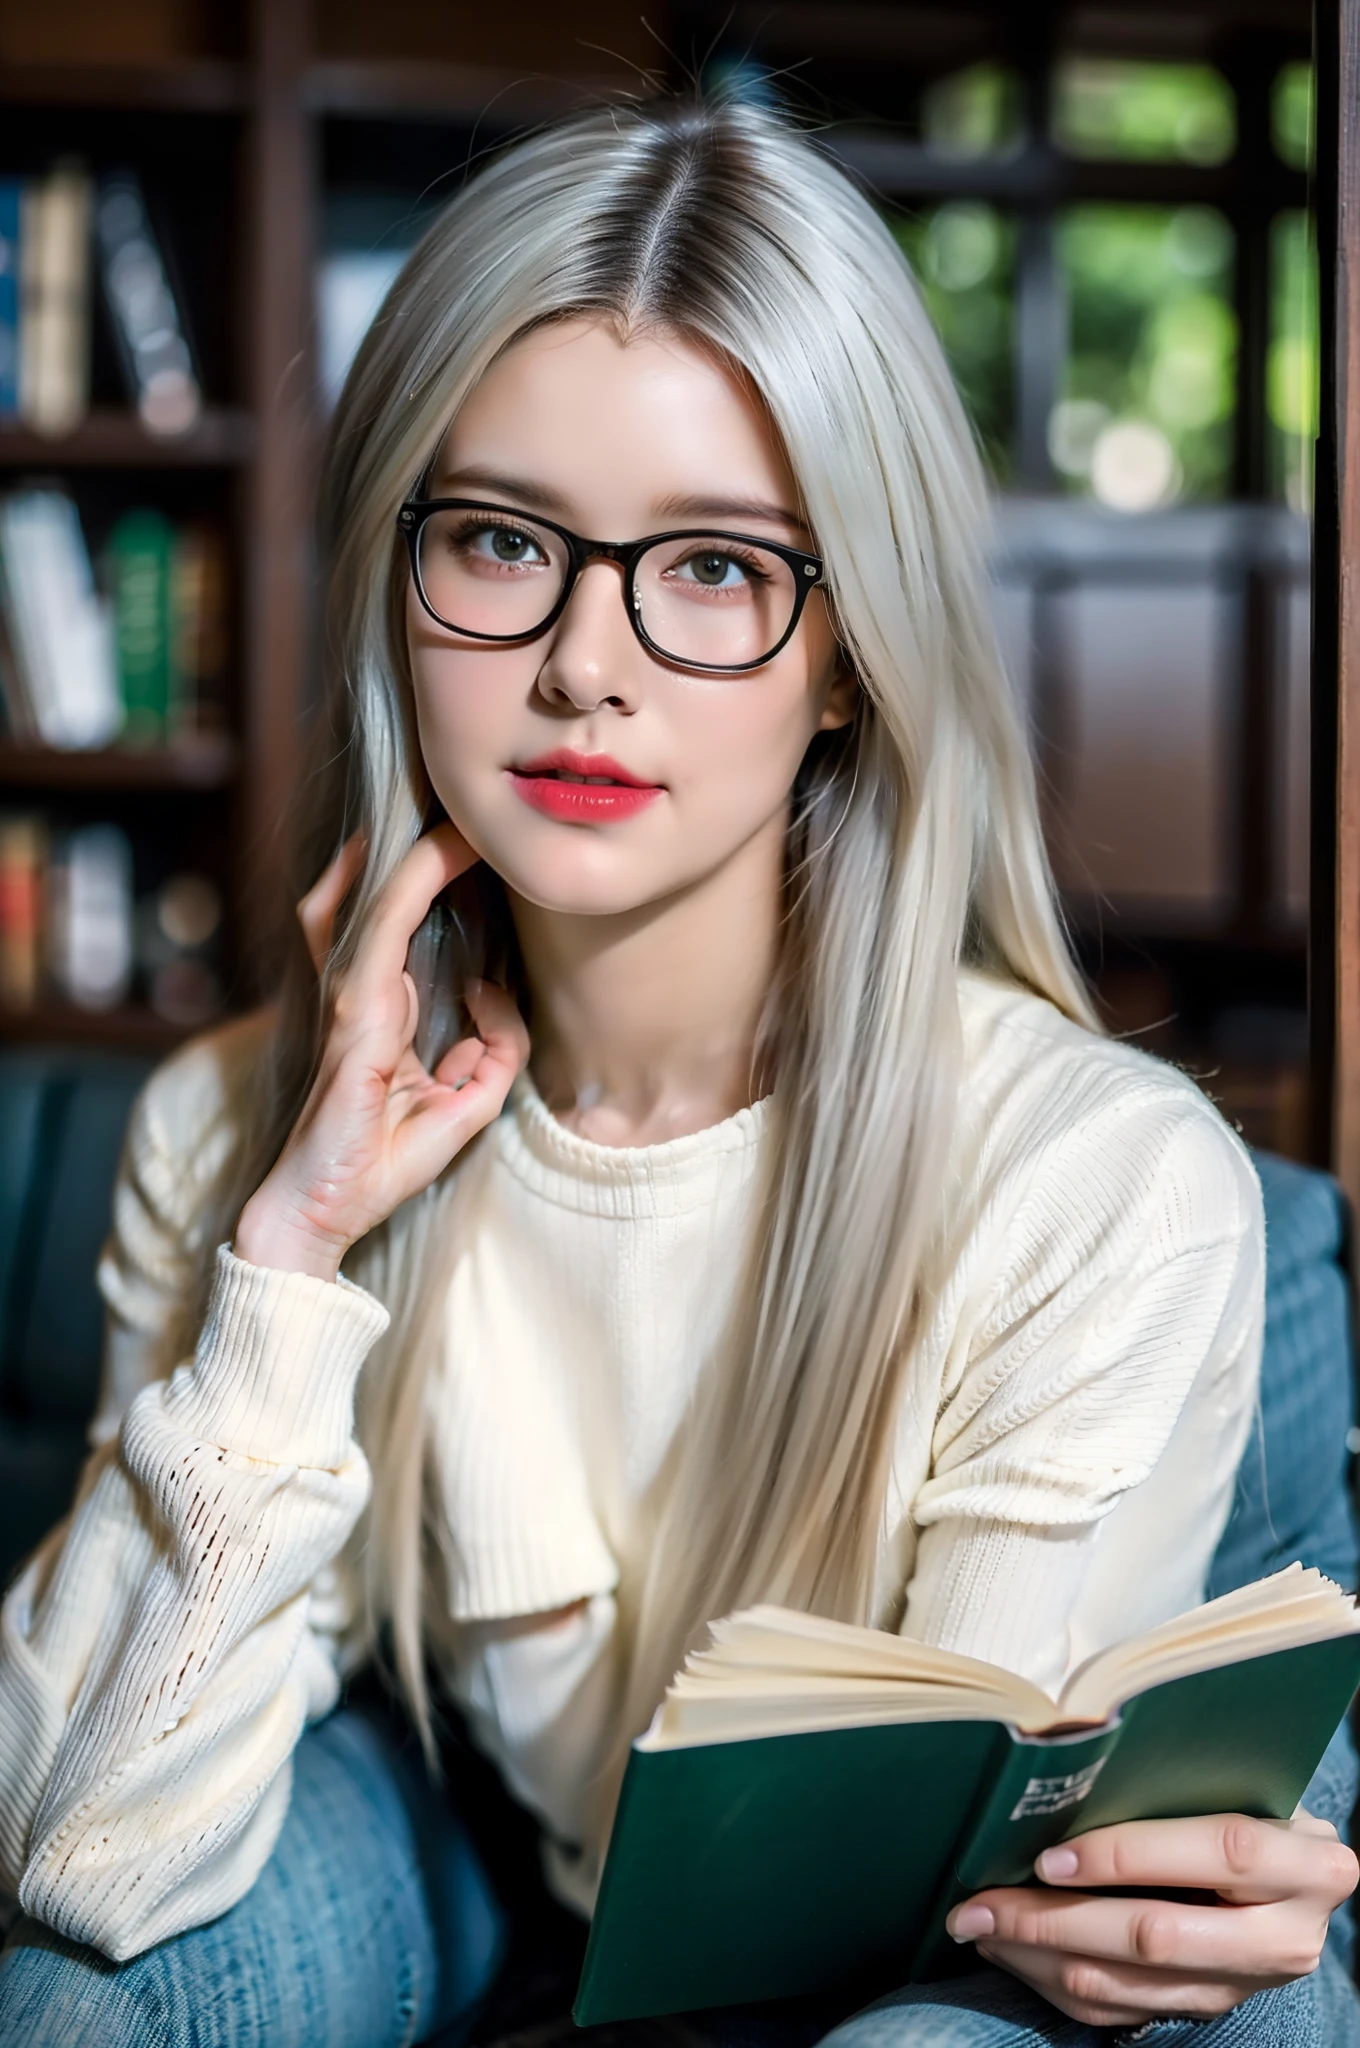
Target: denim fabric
(991,2010)
(371,1926)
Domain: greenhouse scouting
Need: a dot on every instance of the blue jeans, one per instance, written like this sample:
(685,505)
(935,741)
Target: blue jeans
(376,1923)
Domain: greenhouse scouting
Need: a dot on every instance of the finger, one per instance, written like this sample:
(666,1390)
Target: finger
(1159,1934)
(1247,1861)
(500,1027)
(432,863)
(317,910)
(468,1093)
(1102,1994)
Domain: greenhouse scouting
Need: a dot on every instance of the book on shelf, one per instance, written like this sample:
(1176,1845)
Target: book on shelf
(141,554)
(23,860)
(198,621)
(53,230)
(89,916)
(54,299)
(10,191)
(142,661)
(60,676)
(147,315)
(812,1799)
(75,929)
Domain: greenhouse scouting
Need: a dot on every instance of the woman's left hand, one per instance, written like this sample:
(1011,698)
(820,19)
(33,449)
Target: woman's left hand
(1118,1962)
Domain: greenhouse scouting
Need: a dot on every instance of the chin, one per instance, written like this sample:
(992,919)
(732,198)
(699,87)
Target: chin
(568,895)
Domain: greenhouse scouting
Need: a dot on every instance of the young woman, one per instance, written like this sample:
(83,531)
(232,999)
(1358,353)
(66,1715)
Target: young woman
(782,1228)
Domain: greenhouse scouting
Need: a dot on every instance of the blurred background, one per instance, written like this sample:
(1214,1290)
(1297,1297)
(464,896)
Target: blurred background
(1108,209)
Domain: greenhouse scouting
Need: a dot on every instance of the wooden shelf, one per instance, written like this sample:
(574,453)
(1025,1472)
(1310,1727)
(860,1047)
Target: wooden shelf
(111,439)
(201,87)
(130,1028)
(464,92)
(204,761)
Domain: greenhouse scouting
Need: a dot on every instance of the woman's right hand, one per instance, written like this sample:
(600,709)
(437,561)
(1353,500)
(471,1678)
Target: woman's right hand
(376,1127)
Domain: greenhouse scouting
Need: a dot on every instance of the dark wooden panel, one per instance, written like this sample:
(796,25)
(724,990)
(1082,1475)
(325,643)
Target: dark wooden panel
(1335,920)
(204,761)
(279,496)
(109,439)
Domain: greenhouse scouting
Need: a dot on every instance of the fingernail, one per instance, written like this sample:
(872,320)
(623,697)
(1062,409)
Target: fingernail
(967,1923)
(1057,1863)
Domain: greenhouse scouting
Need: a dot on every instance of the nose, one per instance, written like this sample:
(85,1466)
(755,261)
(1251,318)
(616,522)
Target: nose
(592,655)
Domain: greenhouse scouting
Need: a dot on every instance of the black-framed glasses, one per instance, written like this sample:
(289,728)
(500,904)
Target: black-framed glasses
(698,597)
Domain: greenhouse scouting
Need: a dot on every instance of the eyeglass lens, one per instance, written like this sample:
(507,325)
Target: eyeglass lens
(713,602)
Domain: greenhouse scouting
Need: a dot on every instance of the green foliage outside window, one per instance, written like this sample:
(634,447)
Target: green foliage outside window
(1292,365)
(1157,113)
(963,253)
(1291,115)
(972,113)
(1146,409)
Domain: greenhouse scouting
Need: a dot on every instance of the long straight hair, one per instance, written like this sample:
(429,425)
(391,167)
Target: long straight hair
(914,845)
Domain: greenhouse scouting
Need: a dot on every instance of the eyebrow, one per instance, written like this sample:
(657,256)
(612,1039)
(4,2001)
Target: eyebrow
(538,498)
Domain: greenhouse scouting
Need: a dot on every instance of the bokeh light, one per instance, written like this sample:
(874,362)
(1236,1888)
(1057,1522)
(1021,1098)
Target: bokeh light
(1291,115)
(1167,113)
(1153,344)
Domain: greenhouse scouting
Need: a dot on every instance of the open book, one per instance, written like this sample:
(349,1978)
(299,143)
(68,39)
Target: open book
(812,1798)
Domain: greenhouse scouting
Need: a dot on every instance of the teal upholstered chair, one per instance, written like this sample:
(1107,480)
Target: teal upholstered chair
(62,1117)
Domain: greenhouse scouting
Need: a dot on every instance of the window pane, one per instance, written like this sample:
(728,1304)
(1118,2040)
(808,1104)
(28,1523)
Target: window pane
(1292,366)
(1149,390)
(963,254)
(1158,113)
(972,113)
(1291,115)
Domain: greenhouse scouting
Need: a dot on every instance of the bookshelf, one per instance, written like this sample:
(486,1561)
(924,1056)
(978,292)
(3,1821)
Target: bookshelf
(262,116)
(224,111)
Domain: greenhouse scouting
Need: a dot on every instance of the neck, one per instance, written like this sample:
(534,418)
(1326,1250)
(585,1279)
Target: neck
(645,1022)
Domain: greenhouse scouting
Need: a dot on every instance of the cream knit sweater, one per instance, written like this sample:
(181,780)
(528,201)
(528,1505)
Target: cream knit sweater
(1063,1466)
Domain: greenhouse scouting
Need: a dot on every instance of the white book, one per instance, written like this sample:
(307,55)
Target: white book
(60,628)
(90,935)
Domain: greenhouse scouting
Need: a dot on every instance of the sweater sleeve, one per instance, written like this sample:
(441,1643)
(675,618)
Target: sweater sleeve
(1133,1282)
(163,1649)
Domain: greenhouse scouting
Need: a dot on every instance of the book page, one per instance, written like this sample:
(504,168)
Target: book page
(770,1671)
(1292,1607)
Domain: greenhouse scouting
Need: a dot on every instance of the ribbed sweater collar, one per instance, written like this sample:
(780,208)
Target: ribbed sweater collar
(629,1181)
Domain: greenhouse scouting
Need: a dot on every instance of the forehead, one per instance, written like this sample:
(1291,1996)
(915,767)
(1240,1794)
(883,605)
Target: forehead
(598,416)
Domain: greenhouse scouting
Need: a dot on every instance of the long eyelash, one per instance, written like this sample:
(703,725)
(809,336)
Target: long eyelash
(751,563)
(487,522)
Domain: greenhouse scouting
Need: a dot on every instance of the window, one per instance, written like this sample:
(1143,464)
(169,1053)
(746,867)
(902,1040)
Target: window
(1145,415)
(963,253)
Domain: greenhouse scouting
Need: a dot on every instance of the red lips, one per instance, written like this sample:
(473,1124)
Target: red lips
(545,784)
(564,761)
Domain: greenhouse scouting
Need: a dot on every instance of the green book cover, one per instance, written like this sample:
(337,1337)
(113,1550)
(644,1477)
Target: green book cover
(141,557)
(782,1864)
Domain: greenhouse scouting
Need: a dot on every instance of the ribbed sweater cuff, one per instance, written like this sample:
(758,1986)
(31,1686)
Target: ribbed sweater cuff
(273,1376)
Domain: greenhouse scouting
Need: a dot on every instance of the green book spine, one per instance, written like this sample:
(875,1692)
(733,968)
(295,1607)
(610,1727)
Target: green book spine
(1245,1738)
(141,550)
(1038,1797)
